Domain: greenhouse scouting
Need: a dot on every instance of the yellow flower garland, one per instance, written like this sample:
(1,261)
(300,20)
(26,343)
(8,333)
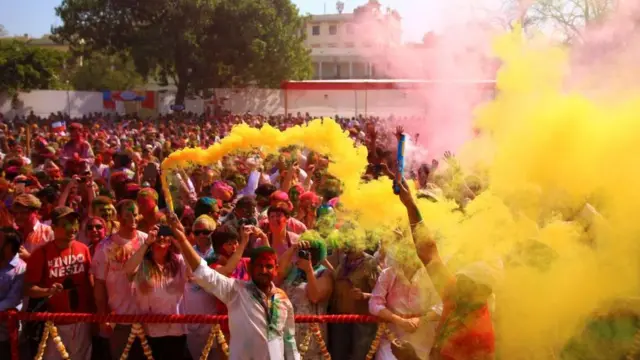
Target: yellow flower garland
(216,333)
(382,330)
(137,332)
(51,330)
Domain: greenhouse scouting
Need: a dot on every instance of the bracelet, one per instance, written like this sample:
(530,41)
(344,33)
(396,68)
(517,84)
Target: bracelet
(417,223)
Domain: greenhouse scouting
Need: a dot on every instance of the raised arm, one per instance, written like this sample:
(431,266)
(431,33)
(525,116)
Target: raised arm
(425,243)
(210,280)
(132,265)
(231,265)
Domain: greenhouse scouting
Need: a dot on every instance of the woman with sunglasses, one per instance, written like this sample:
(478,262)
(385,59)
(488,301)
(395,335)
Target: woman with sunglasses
(95,230)
(159,275)
(196,300)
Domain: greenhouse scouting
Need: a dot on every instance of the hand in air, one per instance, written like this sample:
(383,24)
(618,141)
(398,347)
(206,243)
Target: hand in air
(399,132)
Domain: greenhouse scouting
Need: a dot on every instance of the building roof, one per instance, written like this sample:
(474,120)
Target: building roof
(331,17)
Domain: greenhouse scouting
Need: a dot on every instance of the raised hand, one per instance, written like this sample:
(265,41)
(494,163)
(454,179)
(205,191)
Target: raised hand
(399,132)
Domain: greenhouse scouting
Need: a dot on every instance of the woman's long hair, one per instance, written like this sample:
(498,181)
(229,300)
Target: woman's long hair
(153,272)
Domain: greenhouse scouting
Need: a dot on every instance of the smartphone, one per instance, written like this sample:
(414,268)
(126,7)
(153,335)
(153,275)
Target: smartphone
(165,231)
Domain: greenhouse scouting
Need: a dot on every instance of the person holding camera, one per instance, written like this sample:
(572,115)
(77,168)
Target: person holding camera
(309,285)
(159,274)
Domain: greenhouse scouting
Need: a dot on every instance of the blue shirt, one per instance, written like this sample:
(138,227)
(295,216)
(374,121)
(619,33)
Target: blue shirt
(11,283)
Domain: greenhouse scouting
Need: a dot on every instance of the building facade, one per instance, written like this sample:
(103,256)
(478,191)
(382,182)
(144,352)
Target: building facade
(342,44)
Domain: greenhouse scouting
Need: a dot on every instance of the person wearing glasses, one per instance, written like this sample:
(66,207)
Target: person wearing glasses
(196,300)
(58,274)
(95,230)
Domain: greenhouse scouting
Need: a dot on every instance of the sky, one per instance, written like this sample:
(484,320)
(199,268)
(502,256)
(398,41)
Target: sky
(35,17)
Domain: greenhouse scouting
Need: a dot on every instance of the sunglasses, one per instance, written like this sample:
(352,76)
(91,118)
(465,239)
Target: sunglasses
(201,232)
(95,227)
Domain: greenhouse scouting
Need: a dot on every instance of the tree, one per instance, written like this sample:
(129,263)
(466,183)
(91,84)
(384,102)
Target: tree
(564,19)
(25,68)
(104,72)
(3,31)
(198,44)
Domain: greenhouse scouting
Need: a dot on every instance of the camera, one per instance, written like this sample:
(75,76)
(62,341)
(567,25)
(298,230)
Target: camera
(304,254)
(247,222)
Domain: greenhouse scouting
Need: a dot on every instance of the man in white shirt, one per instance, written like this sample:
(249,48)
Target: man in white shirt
(261,318)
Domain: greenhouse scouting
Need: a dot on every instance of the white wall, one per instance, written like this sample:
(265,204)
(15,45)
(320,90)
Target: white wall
(44,102)
(257,101)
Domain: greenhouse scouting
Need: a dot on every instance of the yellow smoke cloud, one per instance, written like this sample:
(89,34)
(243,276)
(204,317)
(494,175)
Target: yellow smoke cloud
(546,152)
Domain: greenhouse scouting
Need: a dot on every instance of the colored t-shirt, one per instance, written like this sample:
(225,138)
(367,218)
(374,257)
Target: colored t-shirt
(69,267)
(464,337)
(241,273)
(109,259)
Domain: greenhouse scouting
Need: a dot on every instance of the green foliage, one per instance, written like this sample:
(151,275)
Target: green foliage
(103,72)
(197,44)
(25,68)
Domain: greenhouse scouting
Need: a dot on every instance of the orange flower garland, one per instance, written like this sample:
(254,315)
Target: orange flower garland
(318,335)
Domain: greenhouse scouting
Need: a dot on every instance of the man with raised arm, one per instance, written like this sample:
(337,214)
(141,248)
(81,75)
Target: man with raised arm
(261,318)
(465,330)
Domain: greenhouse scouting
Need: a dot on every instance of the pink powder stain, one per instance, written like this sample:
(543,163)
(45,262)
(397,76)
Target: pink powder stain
(458,62)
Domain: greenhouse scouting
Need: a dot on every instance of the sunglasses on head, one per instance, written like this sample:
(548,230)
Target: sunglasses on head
(94,227)
(201,232)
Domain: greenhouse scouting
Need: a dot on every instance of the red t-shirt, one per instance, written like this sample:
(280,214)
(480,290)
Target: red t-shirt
(69,267)
(241,273)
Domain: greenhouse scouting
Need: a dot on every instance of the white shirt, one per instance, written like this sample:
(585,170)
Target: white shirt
(253,337)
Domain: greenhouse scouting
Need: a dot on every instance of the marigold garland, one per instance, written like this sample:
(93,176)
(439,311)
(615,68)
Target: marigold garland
(315,328)
(137,332)
(43,342)
(215,334)
(306,341)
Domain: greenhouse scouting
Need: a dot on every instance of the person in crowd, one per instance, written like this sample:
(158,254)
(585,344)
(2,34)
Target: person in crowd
(261,318)
(25,209)
(244,213)
(159,275)
(196,300)
(309,285)
(307,209)
(58,273)
(147,200)
(280,199)
(356,274)
(95,230)
(405,297)
(12,272)
(113,291)
(77,151)
(279,237)
(102,206)
(263,194)
(207,206)
(465,329)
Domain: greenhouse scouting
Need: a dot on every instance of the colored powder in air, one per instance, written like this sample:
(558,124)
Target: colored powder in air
(557,216)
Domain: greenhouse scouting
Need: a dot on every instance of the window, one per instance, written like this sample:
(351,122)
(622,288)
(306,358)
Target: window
(332,45)
(316,46)
(333,29)
(349,45)
(315,30)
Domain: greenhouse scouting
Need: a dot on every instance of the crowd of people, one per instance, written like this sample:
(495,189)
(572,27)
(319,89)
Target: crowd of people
(86,229)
